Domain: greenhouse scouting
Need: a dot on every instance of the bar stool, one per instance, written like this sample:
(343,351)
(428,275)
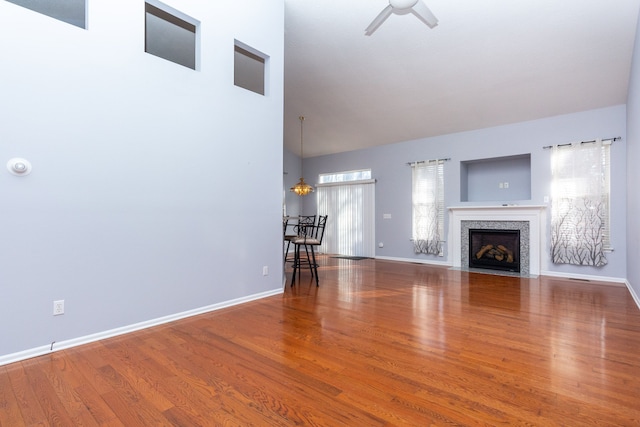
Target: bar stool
(299,230)
(309,241)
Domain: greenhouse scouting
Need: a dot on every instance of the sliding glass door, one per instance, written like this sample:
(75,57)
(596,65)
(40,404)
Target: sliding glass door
(351,223)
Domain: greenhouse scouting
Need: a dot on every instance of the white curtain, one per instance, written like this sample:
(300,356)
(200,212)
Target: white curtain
(428,206)
(580,203)
(351,218)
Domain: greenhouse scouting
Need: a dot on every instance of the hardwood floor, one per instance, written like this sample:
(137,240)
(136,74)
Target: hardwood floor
(378,343)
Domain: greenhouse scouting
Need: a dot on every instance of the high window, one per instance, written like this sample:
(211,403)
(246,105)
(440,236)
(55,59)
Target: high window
(73,12)
(249,67)
(357,175)
(170,34)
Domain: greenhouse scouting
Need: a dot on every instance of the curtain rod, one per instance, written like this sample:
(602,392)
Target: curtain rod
(617,138)
(428,161)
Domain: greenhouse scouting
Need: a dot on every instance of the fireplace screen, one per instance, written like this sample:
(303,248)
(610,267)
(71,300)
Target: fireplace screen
(494,249)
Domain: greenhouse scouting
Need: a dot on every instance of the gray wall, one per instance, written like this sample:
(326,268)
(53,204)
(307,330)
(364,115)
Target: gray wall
(393,187)
(633,176)
(145,173)
(291,177)
(478,179)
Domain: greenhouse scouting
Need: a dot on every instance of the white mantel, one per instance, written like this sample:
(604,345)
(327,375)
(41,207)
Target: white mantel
(534,214)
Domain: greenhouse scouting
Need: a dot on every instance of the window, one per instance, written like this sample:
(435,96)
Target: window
(249,68)
(70,11)
(580,203)
(170,34)
(428,206)
(357,175)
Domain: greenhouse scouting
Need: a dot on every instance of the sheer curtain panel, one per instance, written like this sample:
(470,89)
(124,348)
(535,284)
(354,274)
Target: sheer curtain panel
(428,206)
(580,203)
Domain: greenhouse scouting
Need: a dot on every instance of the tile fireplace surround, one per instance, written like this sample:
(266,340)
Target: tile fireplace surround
(529,219)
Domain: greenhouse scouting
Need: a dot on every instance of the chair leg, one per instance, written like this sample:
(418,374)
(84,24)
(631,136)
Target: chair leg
(295,263)
(286,252)
(315,265)
(306,249)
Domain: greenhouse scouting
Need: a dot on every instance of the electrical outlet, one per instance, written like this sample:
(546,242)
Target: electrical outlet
(265,270)
(506,185)
(58,307)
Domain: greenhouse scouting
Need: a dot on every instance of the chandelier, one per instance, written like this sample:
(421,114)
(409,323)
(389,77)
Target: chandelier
(301,188)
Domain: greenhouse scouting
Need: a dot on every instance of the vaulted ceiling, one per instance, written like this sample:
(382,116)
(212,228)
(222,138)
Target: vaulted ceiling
(486,63)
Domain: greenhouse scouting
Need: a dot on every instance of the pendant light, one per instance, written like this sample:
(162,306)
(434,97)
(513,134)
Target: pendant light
(301,188)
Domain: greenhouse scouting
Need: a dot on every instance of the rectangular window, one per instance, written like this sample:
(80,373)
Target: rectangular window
(357,175)
(428,206)
(170,34)
(249,67)
(73,12)
(580,203)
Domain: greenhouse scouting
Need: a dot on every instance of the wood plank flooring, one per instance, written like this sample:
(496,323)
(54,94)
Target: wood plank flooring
(378,343)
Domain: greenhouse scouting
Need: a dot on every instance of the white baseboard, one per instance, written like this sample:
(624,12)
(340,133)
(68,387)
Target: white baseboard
(635,296)
(416,261)
(74,342)
(612,280)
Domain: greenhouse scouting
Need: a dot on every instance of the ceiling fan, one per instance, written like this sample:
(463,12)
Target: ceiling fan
(402,7)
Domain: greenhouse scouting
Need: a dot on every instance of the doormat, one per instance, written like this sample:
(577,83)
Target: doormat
(353,258)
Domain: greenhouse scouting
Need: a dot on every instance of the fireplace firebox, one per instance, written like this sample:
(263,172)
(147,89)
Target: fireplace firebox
(494,249)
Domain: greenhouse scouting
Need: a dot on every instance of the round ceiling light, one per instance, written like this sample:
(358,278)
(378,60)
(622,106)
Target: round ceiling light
(403,4)
(19,167)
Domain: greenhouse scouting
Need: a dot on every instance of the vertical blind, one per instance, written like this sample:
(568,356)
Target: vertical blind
(350,226)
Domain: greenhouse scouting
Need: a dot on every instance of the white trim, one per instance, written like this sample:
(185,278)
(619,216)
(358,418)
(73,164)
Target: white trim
(74,342)
(175,12)
(635,296)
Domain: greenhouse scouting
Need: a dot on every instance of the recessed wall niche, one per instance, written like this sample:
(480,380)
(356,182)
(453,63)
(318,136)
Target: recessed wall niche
(496,179)
(170,34)
(72,12)
(249,68)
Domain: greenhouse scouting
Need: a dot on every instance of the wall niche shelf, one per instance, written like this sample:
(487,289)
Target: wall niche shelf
(496,179)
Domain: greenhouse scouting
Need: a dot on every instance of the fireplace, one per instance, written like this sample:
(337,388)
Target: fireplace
(529,219)
(494,249)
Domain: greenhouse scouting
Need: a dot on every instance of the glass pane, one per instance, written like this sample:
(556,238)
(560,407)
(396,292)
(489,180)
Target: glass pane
(248,70)
(170,37)
(358,175)
(70,11)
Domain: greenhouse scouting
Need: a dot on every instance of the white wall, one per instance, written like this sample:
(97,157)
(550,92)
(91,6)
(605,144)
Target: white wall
(156,189)
(633,176)
(393,187)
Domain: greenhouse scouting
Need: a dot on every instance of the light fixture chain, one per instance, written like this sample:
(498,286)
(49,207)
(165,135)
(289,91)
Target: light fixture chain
(301,143)
(302,188)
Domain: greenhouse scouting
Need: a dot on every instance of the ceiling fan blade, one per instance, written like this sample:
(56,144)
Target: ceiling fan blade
(424,14)
(386,12)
